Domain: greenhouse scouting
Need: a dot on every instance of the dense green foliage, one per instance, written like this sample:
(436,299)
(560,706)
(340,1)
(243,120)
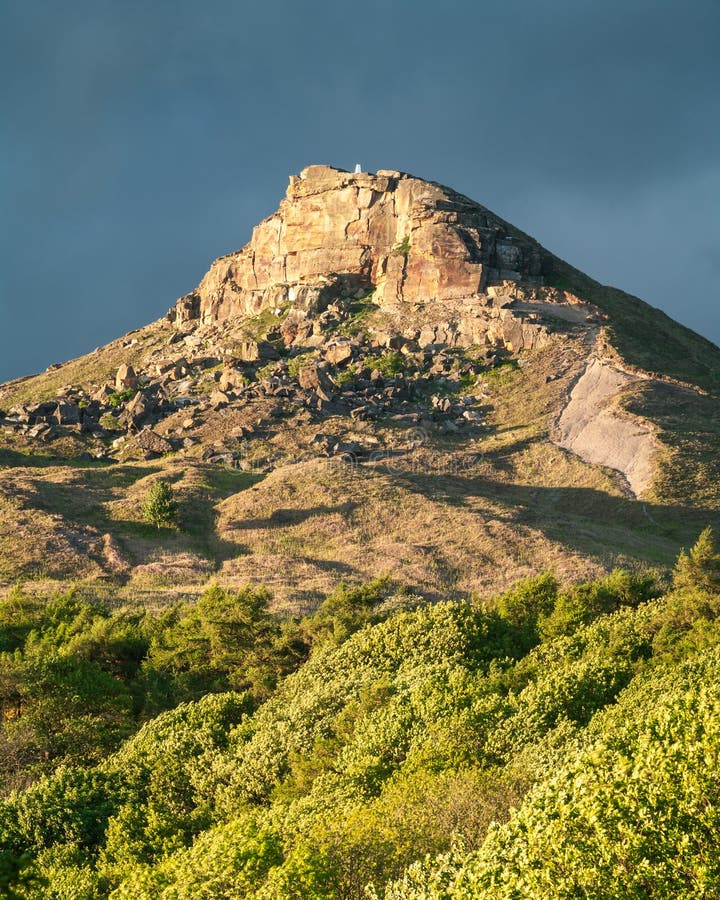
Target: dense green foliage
(555,742)
(76,677)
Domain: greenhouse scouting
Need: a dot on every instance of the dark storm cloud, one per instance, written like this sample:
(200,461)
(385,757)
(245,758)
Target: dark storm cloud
(138,141)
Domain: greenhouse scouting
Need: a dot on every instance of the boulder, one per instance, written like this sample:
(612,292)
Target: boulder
(42,431)
(312,377)
(151,442)
(138,409)
(65,414)
(125,378)
(102,393)
(323,395)
(337,354)
(219,399)
(254,351)
(172,369)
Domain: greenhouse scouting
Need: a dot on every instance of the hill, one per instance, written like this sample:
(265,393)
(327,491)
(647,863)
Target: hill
(388,378)
(359,575)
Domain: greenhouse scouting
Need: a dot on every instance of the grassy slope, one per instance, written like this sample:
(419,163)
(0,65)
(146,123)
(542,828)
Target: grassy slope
(455,515)
(646,337)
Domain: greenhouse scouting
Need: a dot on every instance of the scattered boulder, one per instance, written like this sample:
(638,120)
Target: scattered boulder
(232,378)
(151,442)
(312,377)
(42,431)
(337,354)
(125,378)
(102,393)
(65,414)
(254,351)
(172,369)
(219,399)
(138,409)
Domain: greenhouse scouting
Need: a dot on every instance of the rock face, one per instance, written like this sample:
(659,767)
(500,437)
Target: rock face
(594,428)
(339,234)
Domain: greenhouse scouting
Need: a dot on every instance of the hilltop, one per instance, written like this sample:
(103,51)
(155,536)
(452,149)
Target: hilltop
(387,379)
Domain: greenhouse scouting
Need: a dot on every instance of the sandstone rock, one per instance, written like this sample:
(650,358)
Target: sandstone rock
(219,400)
(65,414)
(125,378)
(42,431)
(312,377)
(323,395)
(152,442)
(138,409)
(409,238)
(172,368)
(102,393)
(231,379)
(350,449)
(427,337)
(253,351)
(337,354)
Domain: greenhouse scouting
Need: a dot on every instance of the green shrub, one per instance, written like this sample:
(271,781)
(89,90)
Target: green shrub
(160,507)
(389,364)
(344,378)
(700,568)
(581,603)
(266,371)
(118,398)
(298,362)
(110,423)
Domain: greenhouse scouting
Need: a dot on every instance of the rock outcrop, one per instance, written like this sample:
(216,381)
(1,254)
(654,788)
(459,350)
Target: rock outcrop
(598,431)
(341,235)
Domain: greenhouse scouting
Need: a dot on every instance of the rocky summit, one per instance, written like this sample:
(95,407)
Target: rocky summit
(387,379)
(337,233)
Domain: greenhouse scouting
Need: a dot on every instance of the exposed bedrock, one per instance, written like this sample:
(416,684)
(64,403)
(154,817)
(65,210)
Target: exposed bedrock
(593,426)
(409,239)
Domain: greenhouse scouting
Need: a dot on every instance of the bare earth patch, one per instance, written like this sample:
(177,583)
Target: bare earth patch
(592,426)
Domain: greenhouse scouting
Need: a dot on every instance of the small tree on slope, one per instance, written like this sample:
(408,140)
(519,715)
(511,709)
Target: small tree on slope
(700,568)
(160,507)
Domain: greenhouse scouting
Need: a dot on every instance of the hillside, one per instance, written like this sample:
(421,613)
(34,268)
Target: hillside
(360,575)
(387,379)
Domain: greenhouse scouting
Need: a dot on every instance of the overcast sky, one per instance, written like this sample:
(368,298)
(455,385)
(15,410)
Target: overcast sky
(140,140)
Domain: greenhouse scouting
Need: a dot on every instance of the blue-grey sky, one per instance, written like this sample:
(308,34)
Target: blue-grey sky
(139,140)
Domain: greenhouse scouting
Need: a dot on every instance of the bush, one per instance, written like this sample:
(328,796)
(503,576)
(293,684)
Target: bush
(110,423)
(580,604)
(700,568)
(117,398)
(160,507)
(388,364)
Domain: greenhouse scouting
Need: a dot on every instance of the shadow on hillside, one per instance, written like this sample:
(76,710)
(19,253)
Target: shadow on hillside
(501,458)
(283,517)
(81,501)
(585,520)
(18,459)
